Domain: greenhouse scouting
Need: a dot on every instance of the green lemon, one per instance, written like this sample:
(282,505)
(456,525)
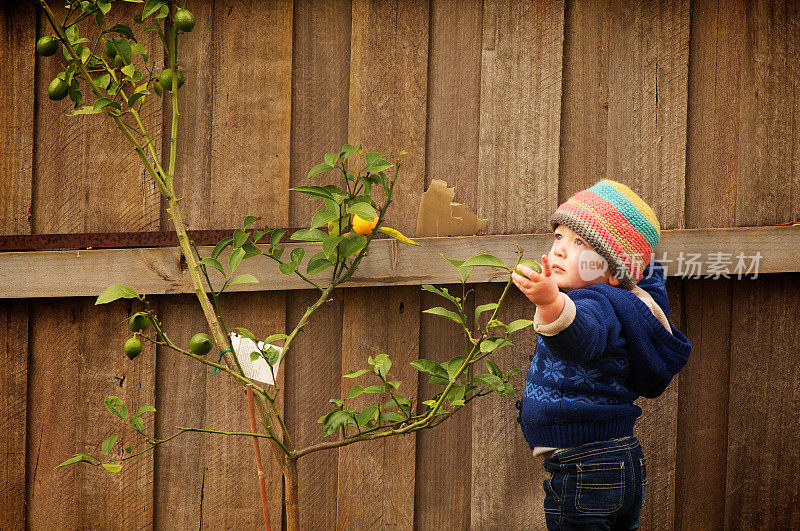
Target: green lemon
(57,90)
(184,20)
(47,45)
(201,344)
(139,322)
(133,347)
(533,264)
(165,79)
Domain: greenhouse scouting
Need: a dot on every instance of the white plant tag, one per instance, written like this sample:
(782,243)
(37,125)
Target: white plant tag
(255,370)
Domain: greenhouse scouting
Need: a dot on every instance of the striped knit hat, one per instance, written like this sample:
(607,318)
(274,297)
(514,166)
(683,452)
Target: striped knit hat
(618,225)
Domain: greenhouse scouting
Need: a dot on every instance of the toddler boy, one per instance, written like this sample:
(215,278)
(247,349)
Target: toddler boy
(604,340)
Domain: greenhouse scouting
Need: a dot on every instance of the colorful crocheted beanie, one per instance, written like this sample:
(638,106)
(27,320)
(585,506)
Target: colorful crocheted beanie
(617,223)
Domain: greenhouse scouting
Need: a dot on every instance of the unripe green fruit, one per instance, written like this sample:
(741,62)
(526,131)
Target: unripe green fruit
(133,347)
(200,344)
(57,90)
(165,79)
(47,45)
(529,263)
(184,20)
(139,322)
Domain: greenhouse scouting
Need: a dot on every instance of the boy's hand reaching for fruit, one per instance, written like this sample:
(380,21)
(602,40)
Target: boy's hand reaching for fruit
(540,288)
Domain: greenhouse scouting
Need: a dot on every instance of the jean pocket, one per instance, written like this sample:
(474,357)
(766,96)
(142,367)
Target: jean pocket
(552,501)
(643,471)
(601,487)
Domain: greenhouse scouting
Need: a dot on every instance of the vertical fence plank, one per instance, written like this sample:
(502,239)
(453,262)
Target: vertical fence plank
(443,470)
(387,114)
(13,414)
(17,60)
(86,178)
(646,149)
(520,113)
(717,39)
(321,77)
(764,401)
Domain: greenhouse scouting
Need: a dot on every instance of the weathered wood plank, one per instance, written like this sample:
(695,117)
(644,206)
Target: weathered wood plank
(13,411)
(76,362)
(521,91)
(388,88)
(390,263)
(717,40)
(320,96)
(17,61)
(764,405)
(444,462)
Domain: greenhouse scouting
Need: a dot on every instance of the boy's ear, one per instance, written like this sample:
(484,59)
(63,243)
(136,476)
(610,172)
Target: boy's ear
(614,281)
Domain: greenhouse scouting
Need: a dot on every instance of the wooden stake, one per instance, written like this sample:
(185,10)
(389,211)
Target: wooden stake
(261,484)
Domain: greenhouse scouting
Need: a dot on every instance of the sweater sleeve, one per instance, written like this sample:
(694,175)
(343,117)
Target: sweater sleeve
(583,329)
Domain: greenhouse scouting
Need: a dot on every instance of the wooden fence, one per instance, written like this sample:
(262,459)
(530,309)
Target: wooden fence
(696,105)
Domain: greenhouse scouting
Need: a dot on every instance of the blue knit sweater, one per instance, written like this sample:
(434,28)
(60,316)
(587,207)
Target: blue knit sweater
(582,381)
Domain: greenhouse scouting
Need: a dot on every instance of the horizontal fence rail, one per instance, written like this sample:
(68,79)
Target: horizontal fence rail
(742,252)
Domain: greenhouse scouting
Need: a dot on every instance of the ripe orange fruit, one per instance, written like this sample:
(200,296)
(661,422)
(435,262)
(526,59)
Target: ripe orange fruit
(363,227)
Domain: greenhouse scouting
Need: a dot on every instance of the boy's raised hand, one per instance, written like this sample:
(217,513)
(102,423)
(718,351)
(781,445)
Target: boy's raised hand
(540,288)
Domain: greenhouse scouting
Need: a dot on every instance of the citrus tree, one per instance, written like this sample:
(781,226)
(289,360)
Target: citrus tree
(115,74)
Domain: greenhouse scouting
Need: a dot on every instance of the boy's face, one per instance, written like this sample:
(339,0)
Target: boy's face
(575,264)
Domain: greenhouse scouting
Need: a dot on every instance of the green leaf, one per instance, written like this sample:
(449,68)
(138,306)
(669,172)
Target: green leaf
(377,388)
(239,237)
(108,444)
(363,210)
(318,265)
(103,81)
(128,70)
(243,279)
(352,245)
(104,6)
(276,236)
(122,29)
(392,416)
(84,110)
(275,337)
(491,381)
(271,354)
(319,168)
(321,217)
(368,415)
(513,371)
(116,406)
(464,272)
(72,34)
(396,234)
(329,245)
(310,235)
(144,409)
(447,314)
(356,374)
(484,308)
(246,333)
(123,48)
(519,324)
(297,254)
(221,246)
(382,363)
(429,367)
(453,365)
(128,449)
(493,343)
(250,251)
(355,391)
(493,368)
(71,461)
(213,263)
(313,191)
(137,423)
(99,104)
(335,420)
(378,166)
(484,260)
(288,269)
(348,150)
(115,292)
(235,259)
(135,97)
(373,157)
(112,468)
(151,7)
(331,159)
(249,220)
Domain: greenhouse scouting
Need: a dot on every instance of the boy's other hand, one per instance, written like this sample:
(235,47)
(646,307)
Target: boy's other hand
(540,288)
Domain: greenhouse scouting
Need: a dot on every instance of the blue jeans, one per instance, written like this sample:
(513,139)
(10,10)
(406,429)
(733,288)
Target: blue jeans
(597,485)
